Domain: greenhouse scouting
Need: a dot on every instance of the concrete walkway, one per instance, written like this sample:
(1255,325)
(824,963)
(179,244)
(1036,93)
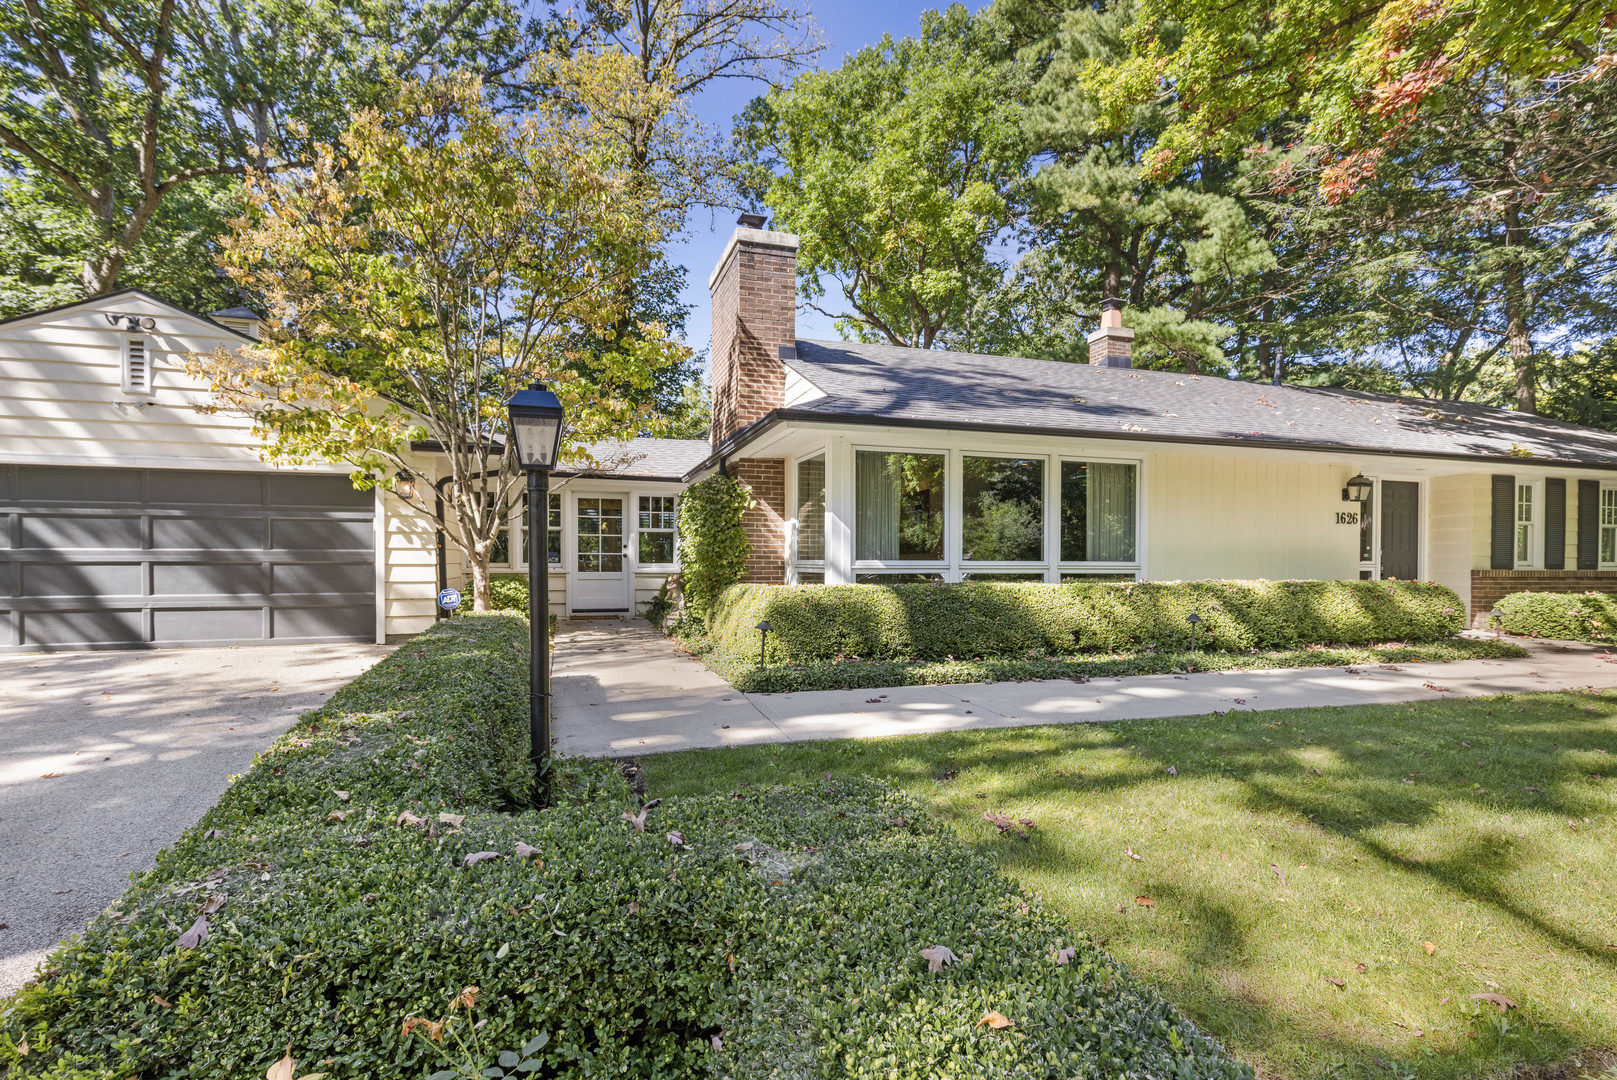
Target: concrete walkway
(622,688)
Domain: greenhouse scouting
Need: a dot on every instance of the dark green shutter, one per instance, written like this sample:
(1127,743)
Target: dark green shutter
(1554,524)
(1502,549)
(1588,524)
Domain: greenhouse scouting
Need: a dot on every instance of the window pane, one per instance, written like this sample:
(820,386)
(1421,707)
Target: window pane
(656,547)
(896,579)
(1004,509)
(977,575)
(811,508)
(555,530)
(1608,545)
(1097,512)
(898,506)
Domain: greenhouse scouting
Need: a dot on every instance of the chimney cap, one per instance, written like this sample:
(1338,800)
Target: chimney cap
(1111,303)
(752,221)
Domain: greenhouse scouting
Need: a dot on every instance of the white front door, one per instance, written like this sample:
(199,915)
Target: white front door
(600,577)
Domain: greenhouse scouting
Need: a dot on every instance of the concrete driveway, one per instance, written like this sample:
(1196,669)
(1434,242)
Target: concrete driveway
(106,757)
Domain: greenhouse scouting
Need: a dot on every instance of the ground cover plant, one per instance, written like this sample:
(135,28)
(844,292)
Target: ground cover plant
(371,900)
(825,637)
(1333,888)
(1587,616)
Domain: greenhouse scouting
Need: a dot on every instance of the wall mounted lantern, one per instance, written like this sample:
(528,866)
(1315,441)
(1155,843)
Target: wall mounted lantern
(404,485)
(1358,490)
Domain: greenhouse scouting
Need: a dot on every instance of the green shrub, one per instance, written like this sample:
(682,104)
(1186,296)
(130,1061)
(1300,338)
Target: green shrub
(509,592)
(993,619)
(1589,616)
(760,934)
(713,544)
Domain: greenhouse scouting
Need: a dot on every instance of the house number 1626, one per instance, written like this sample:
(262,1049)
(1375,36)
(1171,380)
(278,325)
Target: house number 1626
(1347,518)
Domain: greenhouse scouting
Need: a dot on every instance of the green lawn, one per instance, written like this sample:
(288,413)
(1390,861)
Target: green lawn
(1300,862)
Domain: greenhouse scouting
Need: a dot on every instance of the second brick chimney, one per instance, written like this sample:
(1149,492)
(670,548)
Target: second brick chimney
(1113,344)
(754,289)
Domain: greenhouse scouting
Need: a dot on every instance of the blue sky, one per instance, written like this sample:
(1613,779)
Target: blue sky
(846,26)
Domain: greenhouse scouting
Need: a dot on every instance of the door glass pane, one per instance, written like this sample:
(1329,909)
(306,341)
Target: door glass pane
(1367,539)
(1004,509)
(811,509)
(600,536)
(898,506)
(1097,512)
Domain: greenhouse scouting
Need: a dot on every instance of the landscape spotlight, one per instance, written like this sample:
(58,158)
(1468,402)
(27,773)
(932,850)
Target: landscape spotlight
(764,628)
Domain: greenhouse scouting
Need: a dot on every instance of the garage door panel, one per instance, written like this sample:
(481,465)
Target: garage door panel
(309,534)
(81,579)
(62,532)
(207,624)
(121,557)
(78,486)
(323,578)
(100,627)
(202,579)
(207,489)
(292,624)
(291,489)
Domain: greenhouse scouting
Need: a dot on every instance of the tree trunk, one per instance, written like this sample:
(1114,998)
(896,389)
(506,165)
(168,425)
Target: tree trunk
(482,597)
(101,270)
(1516,330)
(1266,367)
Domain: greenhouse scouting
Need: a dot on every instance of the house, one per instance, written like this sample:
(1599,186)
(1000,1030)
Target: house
(870,463)
(129,517)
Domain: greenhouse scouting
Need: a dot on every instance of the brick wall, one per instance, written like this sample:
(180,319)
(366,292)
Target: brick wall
(765,522)
(1111,347)
(754,314)
(1489,586)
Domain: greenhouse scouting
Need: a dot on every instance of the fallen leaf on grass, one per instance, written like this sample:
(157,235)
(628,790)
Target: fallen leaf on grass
(1361,968)
(938,957)
(637,820)
(1172,771)
(454,821)
(338,815)
(158,998)
(1279,873)
(1334,981)
(407,818)
(1500,1001)
(1066,956)
(1429,947)
(1144,901)
(480,856)
(526,851)
(212,834)
(1129,851)
(995,1020)
(677,838)
(283,1069)
(744,846)
(342,796)
(194,936)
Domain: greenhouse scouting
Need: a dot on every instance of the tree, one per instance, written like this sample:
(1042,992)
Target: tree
(120,118)
(438,260)
(898,171)
(1358,71)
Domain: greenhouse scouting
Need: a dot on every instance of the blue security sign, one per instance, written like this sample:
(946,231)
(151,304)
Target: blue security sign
(449,599)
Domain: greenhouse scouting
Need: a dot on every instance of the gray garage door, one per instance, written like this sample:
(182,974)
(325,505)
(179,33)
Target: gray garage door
(107,558)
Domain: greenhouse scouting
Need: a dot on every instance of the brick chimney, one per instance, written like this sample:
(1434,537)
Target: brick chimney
(1111,345)
(754,289)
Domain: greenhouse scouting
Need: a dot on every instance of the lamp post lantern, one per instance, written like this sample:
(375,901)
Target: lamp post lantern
(535,417)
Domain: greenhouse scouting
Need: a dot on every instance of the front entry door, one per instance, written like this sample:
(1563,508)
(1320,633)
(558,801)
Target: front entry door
(1400,530)
(600,582)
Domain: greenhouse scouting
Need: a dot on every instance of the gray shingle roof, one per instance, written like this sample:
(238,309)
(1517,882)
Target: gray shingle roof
(882,383)
(646,459)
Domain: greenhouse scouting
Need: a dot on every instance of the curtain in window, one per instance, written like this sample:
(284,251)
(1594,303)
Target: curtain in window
(1110,528)
(876,502)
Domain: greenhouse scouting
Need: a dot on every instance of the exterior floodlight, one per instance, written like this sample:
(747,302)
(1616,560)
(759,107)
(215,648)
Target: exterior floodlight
(1358,490)
(535,426)
(404,485)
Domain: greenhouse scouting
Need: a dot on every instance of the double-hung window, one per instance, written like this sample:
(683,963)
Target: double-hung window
(1524,524)
(658,520)
(552,532)
(1608,525)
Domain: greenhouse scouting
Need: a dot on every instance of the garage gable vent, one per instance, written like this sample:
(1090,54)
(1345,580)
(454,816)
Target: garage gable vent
(137,367)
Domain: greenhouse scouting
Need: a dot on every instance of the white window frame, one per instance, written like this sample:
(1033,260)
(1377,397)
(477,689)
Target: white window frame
(1097,566)
(655,567)
(125,369)
(1534,523)
(955,532)
(1604,527)
(951,506)
(519,527)
(793,526)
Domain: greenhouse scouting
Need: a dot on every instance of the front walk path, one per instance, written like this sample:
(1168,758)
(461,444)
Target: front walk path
(621,688)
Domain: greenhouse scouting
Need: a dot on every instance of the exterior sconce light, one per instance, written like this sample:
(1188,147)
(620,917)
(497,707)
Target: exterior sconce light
(1194,620)
(404,485)
(763,628)
(1358,490)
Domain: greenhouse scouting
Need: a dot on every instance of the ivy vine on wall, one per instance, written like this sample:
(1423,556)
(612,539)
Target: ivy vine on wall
(713,544)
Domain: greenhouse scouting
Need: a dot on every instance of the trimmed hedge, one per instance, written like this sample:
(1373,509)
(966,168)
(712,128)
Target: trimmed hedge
(509,592)
(760,934)
(994,619)
(1589,616)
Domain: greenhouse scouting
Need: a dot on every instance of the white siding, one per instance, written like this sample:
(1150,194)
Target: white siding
(1451,524)
(410,561)
(1227,517)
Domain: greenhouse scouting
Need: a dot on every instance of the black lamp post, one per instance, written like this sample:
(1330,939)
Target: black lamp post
(535,427)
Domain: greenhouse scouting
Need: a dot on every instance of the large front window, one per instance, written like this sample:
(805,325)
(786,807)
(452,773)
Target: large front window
(1004,509)
(1097,512)
(898,507)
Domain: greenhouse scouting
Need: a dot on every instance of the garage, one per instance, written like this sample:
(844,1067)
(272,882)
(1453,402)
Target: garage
(127,558)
